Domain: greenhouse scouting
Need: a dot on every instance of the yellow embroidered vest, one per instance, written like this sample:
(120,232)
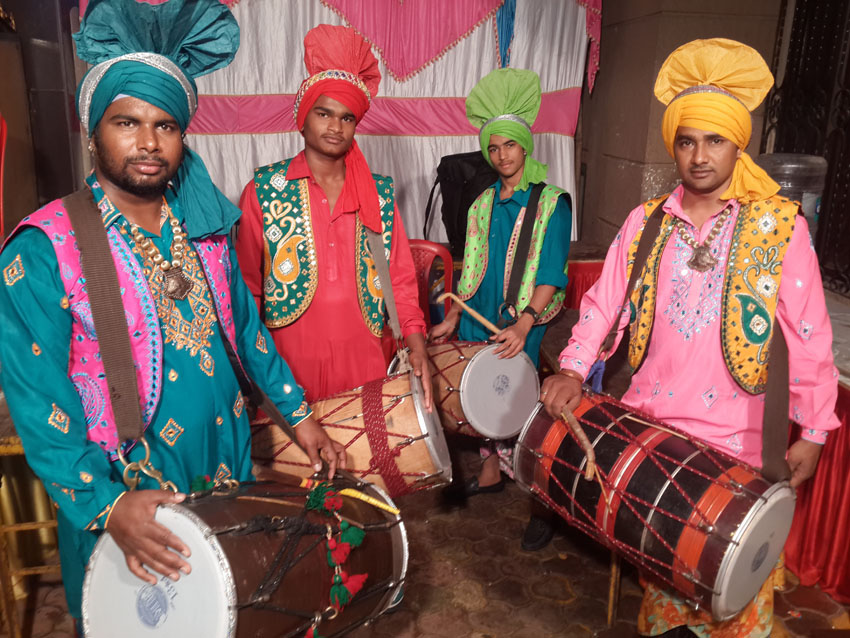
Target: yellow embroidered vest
(750,291)
(476,250)
(290,271)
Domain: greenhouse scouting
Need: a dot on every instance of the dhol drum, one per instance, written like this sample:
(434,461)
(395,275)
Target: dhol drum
(692,516)
(479,394)
(390,439)
(260,567)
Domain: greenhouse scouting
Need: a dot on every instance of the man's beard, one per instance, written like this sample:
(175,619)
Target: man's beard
(118,174)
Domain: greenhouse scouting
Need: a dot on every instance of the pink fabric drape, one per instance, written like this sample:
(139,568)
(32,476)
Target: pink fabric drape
(818,548)
(411,35)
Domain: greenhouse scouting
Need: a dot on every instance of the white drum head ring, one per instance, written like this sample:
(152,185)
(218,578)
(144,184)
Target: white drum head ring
(761,538)
(117,603)
(498,395)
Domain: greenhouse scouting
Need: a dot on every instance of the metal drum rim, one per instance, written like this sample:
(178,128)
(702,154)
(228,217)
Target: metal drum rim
(210,538)
(465,380)
(724,568)
(435,438)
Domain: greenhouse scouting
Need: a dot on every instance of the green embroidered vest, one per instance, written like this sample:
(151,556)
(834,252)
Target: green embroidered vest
(476,249)
(750,291)
(290,271)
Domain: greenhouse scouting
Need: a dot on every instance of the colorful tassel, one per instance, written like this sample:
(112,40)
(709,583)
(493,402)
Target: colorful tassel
(355,583)
(312,633)
(201,483)
(317,496)
(339,594)
(351,534)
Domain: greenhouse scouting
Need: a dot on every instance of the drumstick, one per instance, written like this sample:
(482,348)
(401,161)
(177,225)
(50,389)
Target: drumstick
(591,471)
(473,313)
(583,441)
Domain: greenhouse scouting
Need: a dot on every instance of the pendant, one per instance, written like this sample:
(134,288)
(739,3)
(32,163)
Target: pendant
(177,284)
(702,259)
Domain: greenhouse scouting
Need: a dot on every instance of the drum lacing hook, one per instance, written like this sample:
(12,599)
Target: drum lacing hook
(132,469)
(225,487)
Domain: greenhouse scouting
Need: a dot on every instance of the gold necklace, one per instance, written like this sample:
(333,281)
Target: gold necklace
(702,259)
(177,284)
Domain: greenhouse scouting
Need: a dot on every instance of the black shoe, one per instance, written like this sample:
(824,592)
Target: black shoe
(538,534)
(471,487)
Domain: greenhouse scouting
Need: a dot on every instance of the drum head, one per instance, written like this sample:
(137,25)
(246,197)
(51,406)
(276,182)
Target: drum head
(115,602)
(498,395)
(760,537)
(431,425)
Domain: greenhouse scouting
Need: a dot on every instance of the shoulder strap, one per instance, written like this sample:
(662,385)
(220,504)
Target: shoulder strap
(522,246)
(428,208)
(107,311)
(376,245)
(647,239)
(774,432)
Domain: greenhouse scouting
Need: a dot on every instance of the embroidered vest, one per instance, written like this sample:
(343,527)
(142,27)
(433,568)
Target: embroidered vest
(476,250)
(85,368)
(290,271)
(750,290)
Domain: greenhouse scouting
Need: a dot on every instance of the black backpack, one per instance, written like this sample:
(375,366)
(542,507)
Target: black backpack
(462,178)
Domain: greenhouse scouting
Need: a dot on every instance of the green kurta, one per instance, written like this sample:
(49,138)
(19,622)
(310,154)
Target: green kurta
(200,426)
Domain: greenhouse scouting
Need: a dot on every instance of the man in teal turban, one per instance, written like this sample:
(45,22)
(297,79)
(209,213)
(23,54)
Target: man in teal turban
(184,301)
(503,106)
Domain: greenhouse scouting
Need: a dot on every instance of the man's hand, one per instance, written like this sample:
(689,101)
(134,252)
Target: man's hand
(319,445)
(803,459)
(561,392)
(421,364)
(145,542)
(513,337)
(442,331)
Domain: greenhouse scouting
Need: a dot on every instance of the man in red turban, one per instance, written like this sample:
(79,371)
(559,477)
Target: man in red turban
(302,242)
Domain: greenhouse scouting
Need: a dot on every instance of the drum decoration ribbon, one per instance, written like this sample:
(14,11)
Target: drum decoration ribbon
(324,499)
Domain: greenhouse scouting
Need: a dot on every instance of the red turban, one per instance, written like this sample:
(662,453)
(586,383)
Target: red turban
(342,67)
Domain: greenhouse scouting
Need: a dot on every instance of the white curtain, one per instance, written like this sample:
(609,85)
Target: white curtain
(549,38)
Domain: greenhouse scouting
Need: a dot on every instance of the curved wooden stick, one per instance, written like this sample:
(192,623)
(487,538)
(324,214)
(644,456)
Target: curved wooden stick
(473,313)
(584,442)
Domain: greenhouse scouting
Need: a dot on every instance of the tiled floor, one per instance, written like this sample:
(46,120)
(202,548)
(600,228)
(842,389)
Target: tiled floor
(469,578)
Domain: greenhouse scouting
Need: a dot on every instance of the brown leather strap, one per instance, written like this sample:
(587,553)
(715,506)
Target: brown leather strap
(107,309)
(647,239)
(774,432)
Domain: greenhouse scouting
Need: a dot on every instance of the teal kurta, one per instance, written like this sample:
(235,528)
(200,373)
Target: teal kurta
(200,426)
(553,258)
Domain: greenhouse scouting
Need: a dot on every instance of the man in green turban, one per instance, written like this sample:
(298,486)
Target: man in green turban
(183,299)
(503,106)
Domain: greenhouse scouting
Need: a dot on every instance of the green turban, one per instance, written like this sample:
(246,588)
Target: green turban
(153,53)
(506,102)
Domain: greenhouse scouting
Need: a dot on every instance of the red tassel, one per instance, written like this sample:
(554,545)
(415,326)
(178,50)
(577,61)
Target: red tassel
(340,553)
(354,583)
(333,503)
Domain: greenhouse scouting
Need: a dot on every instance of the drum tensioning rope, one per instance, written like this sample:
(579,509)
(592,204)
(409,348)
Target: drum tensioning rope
(339,539)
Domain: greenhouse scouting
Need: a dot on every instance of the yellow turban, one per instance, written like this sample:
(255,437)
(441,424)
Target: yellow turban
(713,85)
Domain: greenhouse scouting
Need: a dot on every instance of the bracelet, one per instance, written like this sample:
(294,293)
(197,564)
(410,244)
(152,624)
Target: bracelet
(531,311)
(572,374)
(112,508)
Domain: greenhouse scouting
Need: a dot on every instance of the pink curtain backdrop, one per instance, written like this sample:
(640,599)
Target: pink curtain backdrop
(245,114)
(395,28)
(593,24)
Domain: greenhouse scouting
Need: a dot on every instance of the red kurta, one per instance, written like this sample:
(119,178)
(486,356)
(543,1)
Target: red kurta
(329,348)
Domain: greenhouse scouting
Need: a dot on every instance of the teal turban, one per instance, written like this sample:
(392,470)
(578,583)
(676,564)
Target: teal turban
(153,53)
(506,102)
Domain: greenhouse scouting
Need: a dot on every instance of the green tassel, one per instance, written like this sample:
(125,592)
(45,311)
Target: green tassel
(316,497)
(350,534)
(339,594)
(201,483)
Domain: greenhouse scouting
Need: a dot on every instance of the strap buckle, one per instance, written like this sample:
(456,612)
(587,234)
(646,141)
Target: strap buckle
(508,315)
(132,469)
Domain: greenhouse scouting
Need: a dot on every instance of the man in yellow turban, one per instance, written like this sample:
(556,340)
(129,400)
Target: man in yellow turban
(731,264)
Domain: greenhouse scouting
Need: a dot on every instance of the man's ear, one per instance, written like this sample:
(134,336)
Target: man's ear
(738,155)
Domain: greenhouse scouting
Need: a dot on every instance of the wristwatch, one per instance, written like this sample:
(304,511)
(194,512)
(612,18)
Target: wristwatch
(531,311)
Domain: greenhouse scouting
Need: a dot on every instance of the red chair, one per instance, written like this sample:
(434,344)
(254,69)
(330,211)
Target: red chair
(424,252)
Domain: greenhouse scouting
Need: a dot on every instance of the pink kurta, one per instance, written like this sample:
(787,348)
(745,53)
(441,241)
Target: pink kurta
(683,379)
(329,348)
